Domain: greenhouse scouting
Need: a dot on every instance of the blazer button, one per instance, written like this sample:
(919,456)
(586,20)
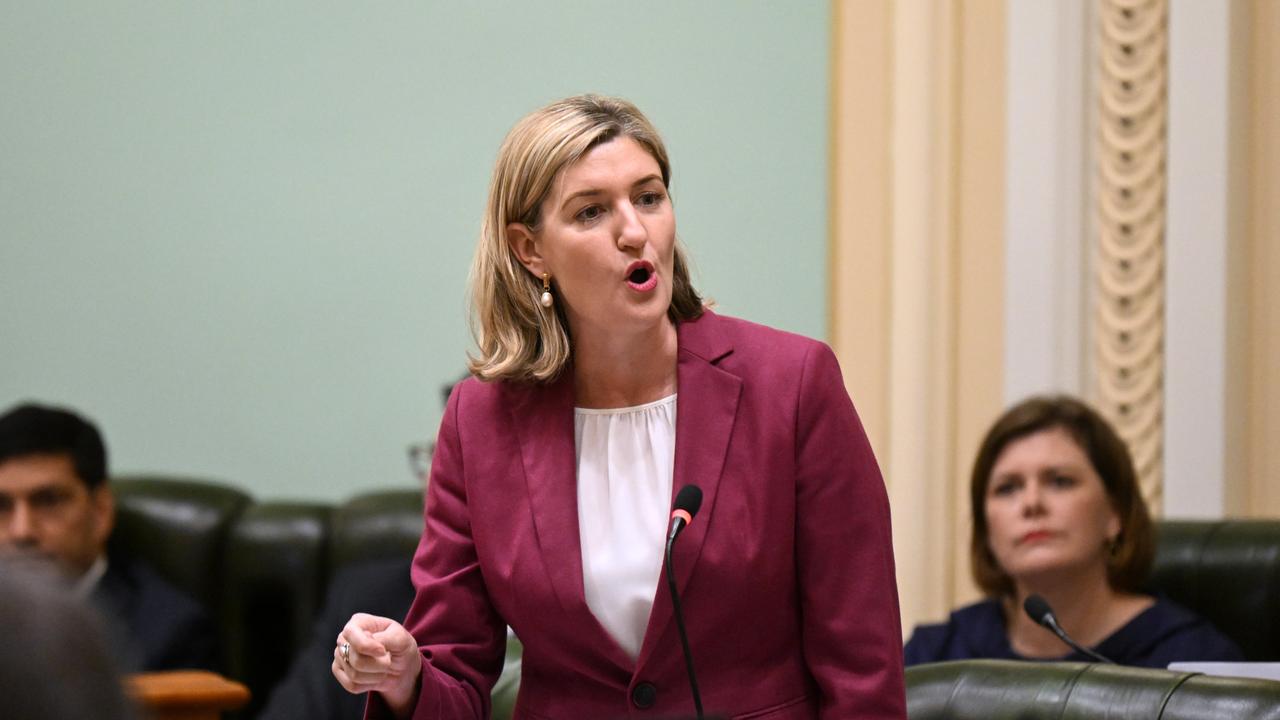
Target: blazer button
(644,695)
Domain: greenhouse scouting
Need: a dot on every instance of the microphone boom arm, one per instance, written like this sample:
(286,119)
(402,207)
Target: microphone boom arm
(1037,608)
(1052,623)
(679,613)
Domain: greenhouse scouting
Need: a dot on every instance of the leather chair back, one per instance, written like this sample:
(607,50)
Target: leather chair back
(181,528)
(1013,690)
(259,568)
(1227,571)
(276,575)
(383,525)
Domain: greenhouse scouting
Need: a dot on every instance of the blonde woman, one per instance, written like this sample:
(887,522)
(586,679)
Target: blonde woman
(556,465)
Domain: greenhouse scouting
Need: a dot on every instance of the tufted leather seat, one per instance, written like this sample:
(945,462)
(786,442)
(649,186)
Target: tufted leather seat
(262,568)
(181,527)
(1227,571)
(1000,689)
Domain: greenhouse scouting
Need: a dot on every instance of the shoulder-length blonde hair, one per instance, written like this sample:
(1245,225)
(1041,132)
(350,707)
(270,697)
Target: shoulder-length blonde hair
(517,338)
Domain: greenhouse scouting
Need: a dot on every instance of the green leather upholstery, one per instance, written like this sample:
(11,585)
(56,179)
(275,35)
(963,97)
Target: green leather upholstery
(376,526)
(276,577)
(1006,689)
(261,568)
(1229,572)
(181,528)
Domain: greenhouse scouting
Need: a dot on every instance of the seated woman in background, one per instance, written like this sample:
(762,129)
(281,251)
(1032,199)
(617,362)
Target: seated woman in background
(1057,512)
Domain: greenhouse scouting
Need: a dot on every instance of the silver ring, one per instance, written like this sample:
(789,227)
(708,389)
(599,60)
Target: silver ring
(346,653)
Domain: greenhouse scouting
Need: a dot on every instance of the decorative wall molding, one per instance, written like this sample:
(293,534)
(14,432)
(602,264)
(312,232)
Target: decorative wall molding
(1129,260)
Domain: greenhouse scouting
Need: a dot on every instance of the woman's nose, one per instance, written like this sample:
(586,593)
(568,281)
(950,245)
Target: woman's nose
(631,232)
(1032,499)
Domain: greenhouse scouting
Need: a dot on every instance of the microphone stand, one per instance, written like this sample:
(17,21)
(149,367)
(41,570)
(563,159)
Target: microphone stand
(1051,622)
(1037,608)
(684,637)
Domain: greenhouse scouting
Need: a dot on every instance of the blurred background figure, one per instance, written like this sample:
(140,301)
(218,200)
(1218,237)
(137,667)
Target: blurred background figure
(1057,512)
(56,507)
(56,664)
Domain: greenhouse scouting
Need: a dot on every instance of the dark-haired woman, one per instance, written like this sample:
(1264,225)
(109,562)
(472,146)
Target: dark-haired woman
(1057,512)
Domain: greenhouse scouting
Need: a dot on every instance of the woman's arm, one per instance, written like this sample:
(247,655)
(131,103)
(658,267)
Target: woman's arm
(844,554)
(460,635)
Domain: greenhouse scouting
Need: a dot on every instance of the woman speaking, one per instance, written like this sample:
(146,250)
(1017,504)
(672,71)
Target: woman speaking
(601,387)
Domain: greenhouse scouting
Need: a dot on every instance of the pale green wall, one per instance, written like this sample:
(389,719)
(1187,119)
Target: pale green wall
(237,234)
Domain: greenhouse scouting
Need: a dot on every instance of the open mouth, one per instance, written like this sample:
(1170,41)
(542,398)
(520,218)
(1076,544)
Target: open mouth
(641,277)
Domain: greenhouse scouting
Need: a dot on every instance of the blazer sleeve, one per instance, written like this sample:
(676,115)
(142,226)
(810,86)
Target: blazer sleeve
(852,632)
(461,636)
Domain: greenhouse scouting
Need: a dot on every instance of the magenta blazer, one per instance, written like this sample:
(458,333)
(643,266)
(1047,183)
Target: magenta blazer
(786,575)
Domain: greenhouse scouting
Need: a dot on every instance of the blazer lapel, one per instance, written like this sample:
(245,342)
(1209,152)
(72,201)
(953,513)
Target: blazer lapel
(543,419)
(707,407)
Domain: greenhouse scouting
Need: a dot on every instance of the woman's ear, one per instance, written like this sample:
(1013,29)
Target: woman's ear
(525,246)
(1114,527)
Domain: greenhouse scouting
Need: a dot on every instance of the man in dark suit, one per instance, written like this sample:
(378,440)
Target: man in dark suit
(57,507)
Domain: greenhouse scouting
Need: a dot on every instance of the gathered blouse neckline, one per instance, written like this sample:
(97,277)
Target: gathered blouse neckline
(630,408)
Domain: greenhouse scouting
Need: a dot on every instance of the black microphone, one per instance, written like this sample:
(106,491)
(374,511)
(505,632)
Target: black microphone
(1038,610)
(688,500)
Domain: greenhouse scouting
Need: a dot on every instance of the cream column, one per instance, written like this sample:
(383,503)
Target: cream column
(1257,492)
(1046,186)
(917,135)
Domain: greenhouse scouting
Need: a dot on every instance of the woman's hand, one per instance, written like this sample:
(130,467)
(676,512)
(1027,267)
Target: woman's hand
(377,654)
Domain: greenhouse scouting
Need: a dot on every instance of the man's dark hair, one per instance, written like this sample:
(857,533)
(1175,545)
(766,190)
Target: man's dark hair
(31,429)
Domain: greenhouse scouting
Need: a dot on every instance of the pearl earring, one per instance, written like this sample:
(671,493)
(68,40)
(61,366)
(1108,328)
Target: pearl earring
(546,290)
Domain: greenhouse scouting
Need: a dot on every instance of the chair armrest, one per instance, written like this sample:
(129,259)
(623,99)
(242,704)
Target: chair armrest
(189,694)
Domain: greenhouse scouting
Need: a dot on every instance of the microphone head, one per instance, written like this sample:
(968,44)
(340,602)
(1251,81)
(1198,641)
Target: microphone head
(1037,608)
(689,499)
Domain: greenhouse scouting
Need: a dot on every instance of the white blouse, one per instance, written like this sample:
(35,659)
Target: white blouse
(626,457)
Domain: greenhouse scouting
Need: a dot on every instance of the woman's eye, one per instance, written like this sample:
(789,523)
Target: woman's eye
(588,213)
(1005,488)
(1062,481)
(649,199)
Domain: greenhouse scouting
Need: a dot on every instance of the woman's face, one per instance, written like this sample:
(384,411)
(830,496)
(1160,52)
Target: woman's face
(607,236)
(1047,509)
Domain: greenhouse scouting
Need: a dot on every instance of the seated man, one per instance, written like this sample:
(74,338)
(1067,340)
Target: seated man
(56,507)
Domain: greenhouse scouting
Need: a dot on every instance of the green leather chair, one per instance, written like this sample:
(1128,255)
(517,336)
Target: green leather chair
(1012,690)
(1227,571)
(261,568)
